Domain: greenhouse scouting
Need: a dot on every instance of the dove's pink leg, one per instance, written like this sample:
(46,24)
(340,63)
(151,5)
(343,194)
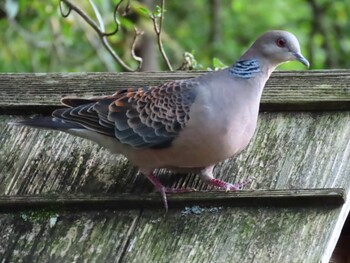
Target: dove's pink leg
(163,190)
(207,176)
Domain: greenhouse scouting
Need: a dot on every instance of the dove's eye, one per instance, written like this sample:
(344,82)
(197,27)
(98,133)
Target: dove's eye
(281,42)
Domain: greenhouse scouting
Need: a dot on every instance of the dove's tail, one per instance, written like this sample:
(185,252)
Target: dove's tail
(50,123)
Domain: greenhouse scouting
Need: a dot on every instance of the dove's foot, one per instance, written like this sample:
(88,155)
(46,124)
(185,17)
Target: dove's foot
(228,186)
(207,176)
(164,190)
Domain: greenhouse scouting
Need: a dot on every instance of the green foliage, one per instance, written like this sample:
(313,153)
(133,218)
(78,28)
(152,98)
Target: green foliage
(218,64)
(143,10)
(158,11)
(36,38)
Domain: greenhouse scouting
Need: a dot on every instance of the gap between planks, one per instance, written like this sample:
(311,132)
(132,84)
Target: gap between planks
(280,198)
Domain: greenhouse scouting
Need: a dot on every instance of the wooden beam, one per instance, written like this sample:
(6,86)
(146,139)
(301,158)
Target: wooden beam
(281,198)
(285,91)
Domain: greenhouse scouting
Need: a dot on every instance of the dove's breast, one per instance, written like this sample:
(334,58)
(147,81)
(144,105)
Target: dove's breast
(222,122)
(219,129)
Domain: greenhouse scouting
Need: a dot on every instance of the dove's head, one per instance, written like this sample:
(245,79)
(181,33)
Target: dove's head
(278,47)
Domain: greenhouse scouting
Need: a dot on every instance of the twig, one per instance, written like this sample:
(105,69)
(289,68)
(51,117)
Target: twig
(100,30)
(96,44)
(134,56)
(158,29)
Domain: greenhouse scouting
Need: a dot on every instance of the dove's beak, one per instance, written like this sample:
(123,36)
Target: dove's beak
(301,59)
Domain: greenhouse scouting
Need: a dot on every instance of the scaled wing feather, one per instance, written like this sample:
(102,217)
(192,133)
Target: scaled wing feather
(147,117)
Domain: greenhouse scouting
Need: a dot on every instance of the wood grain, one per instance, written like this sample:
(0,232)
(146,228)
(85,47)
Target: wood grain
(285,91)
(288,151)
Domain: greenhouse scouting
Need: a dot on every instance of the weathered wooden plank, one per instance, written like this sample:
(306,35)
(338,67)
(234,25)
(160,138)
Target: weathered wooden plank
(292,90)
(282,198)
(83,237)
(233,235)
(225,235)
(289,151)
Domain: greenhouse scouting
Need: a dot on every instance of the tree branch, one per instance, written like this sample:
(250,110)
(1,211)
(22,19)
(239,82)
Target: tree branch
(158,29)
(100,30)
(136,36)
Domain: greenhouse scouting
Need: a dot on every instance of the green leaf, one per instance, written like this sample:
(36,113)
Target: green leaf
(158,12)
(126,23)
(144,11)
(218,64)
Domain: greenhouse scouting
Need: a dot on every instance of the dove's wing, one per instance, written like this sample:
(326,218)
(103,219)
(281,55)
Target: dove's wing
(147,117)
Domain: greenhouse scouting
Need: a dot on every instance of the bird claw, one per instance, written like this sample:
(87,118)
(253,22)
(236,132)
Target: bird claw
(240,185)
(228,187)
(164,190)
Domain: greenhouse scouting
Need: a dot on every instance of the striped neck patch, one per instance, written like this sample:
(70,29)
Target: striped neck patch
(245,68)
